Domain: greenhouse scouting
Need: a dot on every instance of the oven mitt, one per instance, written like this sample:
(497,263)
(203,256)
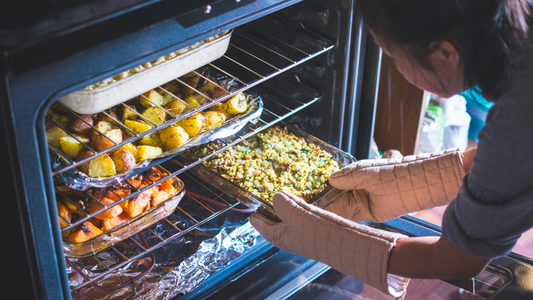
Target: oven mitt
(384,189)
(356,250)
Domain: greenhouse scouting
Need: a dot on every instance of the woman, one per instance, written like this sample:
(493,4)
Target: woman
(446,47)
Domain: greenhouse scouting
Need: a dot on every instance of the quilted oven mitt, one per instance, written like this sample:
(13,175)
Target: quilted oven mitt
(356,250)
(384,189)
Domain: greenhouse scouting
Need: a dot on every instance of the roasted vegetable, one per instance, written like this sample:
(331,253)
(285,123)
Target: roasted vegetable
(85,233)
(191,83)
(151,140)
(173,137)
(150,98)
(65,214)
(114,222)
(107,140)
(108,213)
(137,205)
(159,196)
(145,152)
(81,125)
(102,166)
(102,128)
(109,117)
(124,160)
(192,101)
(131,148)
(54,135)
(193,124)
(155,114)
(83,155)
(236,104)
(176,107)
(71,146)
(213,119)
(129,113)
(137,126)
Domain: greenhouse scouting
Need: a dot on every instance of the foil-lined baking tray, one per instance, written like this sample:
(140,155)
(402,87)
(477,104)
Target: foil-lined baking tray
(187,60)
(81,181)
(127,228)
(324,198)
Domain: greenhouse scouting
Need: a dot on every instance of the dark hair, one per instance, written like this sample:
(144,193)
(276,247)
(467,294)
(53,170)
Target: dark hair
(488,33)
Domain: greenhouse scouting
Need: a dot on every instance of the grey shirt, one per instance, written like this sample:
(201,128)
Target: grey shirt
(495,204)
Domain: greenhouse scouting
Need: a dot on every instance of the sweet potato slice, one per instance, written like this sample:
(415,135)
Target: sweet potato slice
(138,204)
(112,223)
(109,213)
(166,185)
(65,214)
(85,233)
(159,197)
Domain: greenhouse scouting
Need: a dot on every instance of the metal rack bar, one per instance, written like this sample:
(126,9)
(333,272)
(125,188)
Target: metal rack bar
(261,77)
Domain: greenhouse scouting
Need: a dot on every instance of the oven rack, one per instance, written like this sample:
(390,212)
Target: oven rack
(276,100)
(174,230)
(254,57)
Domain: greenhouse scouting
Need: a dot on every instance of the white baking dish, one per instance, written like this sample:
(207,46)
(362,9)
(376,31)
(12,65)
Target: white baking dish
(99,99)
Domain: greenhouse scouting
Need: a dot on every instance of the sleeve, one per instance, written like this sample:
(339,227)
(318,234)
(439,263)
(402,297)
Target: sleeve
(495,204)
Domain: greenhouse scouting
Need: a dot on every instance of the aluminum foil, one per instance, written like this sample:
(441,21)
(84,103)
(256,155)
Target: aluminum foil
(80,181)
(180,266)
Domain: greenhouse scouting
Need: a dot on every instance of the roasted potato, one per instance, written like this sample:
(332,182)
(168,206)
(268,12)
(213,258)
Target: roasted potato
(131,148)
(111,117)
(192,101)
(102,166)
(145,152)
(81,126)
(124,160)
(83,155)
(155,114)
(176,107)
(236,104)
(109,139)
(71,146)
(102,127)
(193,124)
(208,89)
(173,137)
(54,135)
(151,140)
(150,98)
(137,126)
(59,119)
(213,118)
(192,82)
(129,113)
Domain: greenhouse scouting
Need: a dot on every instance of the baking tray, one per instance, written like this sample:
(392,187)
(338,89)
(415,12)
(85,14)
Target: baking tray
(326,197)
(78,180)
(128,228)
(99,99)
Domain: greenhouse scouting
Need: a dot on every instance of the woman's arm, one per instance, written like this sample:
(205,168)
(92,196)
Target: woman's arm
(433,258)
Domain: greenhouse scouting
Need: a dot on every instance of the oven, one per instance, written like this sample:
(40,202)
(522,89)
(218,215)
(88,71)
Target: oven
(310,63)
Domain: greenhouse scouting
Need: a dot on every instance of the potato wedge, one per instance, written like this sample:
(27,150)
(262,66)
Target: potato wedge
(193,124)
(61,120)
(109,139)
(151,140)
(173,137)
(83,125)
(176,107)
(70,146)
(145,152)
(192,101)
(192,82)
(236,104)
(102,127)
(131,148)
(137,126)
(54,135)
(124,160)
(83,155)
(102,166)
(110,117)
(129,113)
(155,114)
(150,98)
(208,89)
(213,119)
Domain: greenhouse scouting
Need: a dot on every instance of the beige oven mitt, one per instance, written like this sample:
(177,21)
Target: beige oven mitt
(356,250)
(384,189)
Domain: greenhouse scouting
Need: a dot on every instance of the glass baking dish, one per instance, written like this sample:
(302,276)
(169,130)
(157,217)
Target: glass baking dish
(127,228)
(324,198)
(187,59)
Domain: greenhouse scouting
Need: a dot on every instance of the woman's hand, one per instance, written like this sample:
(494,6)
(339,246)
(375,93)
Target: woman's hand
(384,189)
